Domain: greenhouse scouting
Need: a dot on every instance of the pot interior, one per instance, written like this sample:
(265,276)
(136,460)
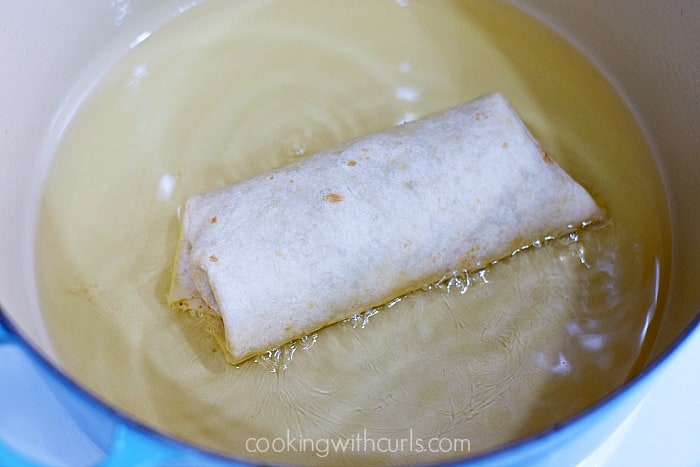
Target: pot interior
(109,92)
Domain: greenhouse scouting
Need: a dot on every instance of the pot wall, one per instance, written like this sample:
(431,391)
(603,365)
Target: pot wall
(650,51)
(48,49)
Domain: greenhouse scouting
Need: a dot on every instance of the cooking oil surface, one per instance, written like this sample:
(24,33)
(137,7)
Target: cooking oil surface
(229,90)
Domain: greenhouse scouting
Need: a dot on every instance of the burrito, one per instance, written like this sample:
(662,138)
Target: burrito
(309,244)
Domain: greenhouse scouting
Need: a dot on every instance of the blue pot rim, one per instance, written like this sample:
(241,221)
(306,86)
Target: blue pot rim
(488,455)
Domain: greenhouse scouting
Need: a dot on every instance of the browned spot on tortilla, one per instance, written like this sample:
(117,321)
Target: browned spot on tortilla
(288,328)
(352,162)
(405,245)
(399,142)
(365,150)
(457,138)
(505,145)
(291,181)
(311,305)
(546,158)
(272,177)
(468,259)
(333,197)
(478,200)
(479,115)
(213,258)
(213,220)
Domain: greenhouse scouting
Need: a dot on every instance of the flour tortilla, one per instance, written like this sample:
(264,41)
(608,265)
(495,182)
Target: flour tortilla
(286,253)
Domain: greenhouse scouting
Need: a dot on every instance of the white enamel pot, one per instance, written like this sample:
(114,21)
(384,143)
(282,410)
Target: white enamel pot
(649,50)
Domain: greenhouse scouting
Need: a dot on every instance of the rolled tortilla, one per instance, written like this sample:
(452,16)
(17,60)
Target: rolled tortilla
(288,252)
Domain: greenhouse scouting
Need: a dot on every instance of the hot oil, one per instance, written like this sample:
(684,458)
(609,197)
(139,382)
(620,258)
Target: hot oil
(232,89)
